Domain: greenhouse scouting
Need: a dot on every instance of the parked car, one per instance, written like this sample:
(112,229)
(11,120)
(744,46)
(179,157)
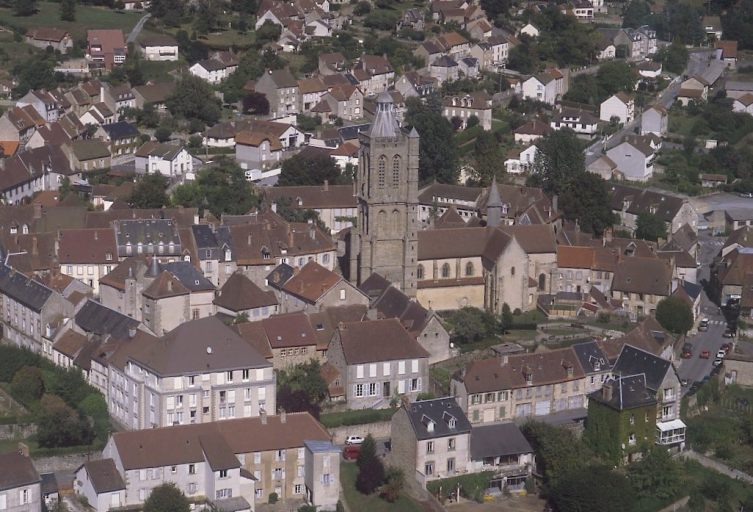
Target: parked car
(705,354)
(686,354)
(703,325)
(729,333)
(354,440)
(721,354)
(718,362)
(351,451)
(727,347)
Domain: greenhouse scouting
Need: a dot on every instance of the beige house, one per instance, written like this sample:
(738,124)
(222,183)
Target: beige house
(431,439)
(345,102)
(87,254)
(640,283)
(520,386)
(464,106)
(20,489)
(285,340)
(335,204)
(199,372)
(240,296)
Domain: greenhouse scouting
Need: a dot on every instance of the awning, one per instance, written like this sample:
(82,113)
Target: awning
(670,425)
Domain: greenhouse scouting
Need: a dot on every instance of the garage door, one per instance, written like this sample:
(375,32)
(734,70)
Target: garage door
(488,415)
(543,407)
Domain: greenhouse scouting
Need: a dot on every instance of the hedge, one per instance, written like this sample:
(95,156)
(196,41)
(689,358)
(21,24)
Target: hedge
(358,417)
(472,486)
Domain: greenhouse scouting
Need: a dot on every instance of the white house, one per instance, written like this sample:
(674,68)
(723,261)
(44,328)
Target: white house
(520,160)
(620,106)
(546,87)
(167,159)
(529,30)
(655,120)
(743,104)
(213,70)
(159,48)
(634,159)
(579,121)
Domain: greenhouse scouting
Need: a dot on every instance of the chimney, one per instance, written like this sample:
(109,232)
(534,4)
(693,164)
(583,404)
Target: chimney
(263,416)
(326,186)
(606,391)
(131,333)
(34,247)
(37,211)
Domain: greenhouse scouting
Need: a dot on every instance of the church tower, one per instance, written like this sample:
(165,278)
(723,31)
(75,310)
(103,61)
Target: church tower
(385,240)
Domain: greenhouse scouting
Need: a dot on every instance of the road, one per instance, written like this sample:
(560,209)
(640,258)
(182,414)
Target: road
(137,29)
(720,201)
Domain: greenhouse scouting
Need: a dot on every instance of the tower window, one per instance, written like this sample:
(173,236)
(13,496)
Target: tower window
(446,270)
(381,171)
(469,269)
(420,272)
(395,171)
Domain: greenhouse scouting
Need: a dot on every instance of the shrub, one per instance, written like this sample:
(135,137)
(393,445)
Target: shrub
(273,498)
(471,486)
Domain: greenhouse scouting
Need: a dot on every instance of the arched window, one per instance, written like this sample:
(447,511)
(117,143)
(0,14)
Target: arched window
(512,271)
(420,272)
(381,171)
(469,269)
(446,270)
(542,282)
(395,171)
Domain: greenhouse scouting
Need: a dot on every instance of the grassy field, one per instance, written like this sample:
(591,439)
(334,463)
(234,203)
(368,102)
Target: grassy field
(87,17)
(12,52)
(371,503)
(355,417)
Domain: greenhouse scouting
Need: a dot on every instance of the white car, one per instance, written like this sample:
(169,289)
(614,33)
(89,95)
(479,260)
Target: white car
(354,440)
(721,354)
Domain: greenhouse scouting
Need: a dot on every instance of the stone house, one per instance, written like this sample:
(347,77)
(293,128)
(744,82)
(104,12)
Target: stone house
(20,484)
(87,254)
(214,252)
(444,69)
(19,124)
(285,340)
(345,102)
(502,449)
(640,283)
(281,90)
(43,37)
(88,155)
(123,137)
(199,372)
(240,296)
(629,202)
(519,386)
(412,84)
(431,439)
(335,204)
(374,74)
(478,104)
(378,360)
(311,92)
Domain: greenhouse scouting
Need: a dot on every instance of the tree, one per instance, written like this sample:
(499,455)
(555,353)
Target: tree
(370,468)
(24,8)
(167,498)
(207,16)
(524,56)
(586,200)
(650,226)
(489,160)
(194,98)
(68,10)
(495,9)
(737,23)
(170,11)
(149,192)
(268,32)
(394,483)
(59,425)
(438,156)
(290,213)
(162,134)
(27,385)
(593,489)
(36,73)
(675,315)
(506,320)
(471,324)
(674,58)
(362,8)
(636,14)
(559,160)
(558,452)
(657,474)
(301,388)
(615,76)
(256,103)
(311,169)
(221,189)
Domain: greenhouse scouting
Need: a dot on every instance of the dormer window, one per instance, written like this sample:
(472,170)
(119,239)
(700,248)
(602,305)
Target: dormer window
(108,256)
(25,229)
(228,255)
(13,230)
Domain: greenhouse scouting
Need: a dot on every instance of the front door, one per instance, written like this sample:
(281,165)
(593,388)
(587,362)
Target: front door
(386,390)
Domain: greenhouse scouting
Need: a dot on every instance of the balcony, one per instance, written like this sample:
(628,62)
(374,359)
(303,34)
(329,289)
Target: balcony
(670,432)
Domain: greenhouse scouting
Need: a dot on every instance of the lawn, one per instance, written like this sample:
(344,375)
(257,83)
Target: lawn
(358,502)
(87,17)
(355,417)
(13,52)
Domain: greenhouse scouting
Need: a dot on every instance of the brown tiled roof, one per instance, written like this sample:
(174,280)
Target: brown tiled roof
(16,471)
(534,127)
(166,285)
(104,476)
(315,196)
(729,49)
(289,330)
(378,340)
(70,343)
(239,293)
(534,238)
(325,322)
(87,246)
(51,34)
(309,85)
(648,335)
(256,336)
(547,367)
(451,243)
(181,444)
(129,266)
(643,275)
(311,282)
(575,257)
(738,264)
(183,217)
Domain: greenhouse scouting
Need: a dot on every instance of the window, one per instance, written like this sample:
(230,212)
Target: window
(395,171)
(429,468)
(230,376)
(224,493)
(451,444)
(631,439)
(223,473)
(415,384)
(191,469)
(512,271)
(298,489)
(632,419)
(502,396)
(381,171)
(430,447)
(450,465)
(173,469)
(446,270)
(420,272)
(469,269)
(24,496)
(488,397)
(359,390)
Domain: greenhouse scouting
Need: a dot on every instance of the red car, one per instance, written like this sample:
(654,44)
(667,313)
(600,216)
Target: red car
(351,451)
(705,354)
(727,347)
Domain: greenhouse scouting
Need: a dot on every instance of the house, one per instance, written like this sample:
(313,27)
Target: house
(123,137)
(739,238)
(735,88)
(345,102)
(97,115)
(546,87)
(629,202)
(159,48)
(32,171)
(119,97)
(620,106)
(44,37)
(313,288)
(604,167)
(431,439)
(520,386)
(311,91)
(606,48)
(444,69)
(412,84)
(579,121)
(20,484)
(332,63)
(171,160)
(478,104)
(214,252)
(281,90)
(374,74)
(199,372)
(335,204)
(213,70)
(100,482)
(520,160)
(136,236)
(88,155)
(468,67)
(18,124)
(289,455)
(502,449)
(649,69)
(530,30)
(29,309)
(240,296)
(87,254)
(288,339)
(737,367)
(154,94)
(654,120)
(491,53)
(743,104)
(640,42)
(730,275)
(378,360)
(713,180)
(44,103)
(257,149)
(531,131)
(622,415)
(105,48)
(581,9)
(712,26)
(640,283)
(634,158)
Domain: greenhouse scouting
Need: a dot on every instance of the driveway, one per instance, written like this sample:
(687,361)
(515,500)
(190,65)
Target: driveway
(137,29)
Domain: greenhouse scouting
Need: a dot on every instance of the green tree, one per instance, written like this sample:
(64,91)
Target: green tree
(94,409)
(27,385)
(657,475)
(24,8)
(737,23)
(593,489)
(36,73)
(59,425)
(268,32)
(167,498)
(506,319)
(290,213)
(674,58)
(162,134)
(524,56)
(394,482)
(194,98)
(370,468)
(362,8)
(221,189)
(311,169)
(495,9)
(170,11)
(68,10)
(438,156)
(149,192)
(489,160)
(305,377)
(471,324)
(650,226)
(675,315)
(586,200)
(615,76)
(559,160)
(636,14)
(558,452)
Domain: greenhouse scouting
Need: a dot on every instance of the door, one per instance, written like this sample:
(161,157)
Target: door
(488,415)
(386,389)
(543,407)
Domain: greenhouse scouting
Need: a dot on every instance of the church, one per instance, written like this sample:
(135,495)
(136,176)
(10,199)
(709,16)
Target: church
(480,264)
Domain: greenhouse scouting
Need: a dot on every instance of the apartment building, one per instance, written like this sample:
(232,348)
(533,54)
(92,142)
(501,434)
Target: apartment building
(199,372)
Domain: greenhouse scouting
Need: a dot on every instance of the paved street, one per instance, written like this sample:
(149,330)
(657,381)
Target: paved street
(720,201)
(137,29)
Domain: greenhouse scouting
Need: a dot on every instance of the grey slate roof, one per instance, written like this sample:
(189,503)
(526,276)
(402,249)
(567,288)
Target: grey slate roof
(280,275)
(147,231)
(628,392)
(20,288)
(591,357)
(104,476)
(188,275)
(498,441)
(439,413)
(98,319)
(634,361)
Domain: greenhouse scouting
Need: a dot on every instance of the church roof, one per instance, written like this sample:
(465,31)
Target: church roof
(385,123)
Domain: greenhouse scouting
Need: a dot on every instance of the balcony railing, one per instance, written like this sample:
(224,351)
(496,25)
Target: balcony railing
(670,438)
